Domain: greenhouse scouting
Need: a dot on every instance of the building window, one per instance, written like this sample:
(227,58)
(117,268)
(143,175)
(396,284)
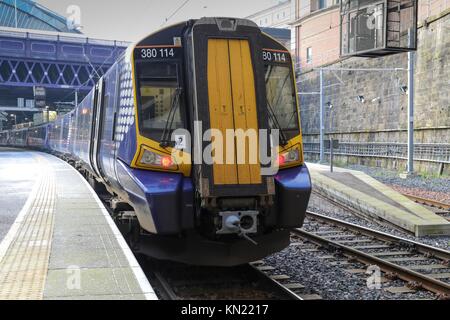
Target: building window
(309,55)
(322,4)
(318,5)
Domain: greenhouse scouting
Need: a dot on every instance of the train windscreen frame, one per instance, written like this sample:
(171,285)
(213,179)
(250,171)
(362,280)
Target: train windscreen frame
(281,92)
(159,99)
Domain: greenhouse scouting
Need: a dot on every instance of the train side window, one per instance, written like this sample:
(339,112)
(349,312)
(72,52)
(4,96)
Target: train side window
(159,103)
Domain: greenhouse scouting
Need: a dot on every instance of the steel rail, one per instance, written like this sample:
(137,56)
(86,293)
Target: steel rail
(428,202)
(420,247)
(278,284)
(426,282)
(168,289)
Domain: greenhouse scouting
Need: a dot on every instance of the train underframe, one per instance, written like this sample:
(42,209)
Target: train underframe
(262,224)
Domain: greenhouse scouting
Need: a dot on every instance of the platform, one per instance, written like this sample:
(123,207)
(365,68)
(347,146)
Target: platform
(371,197)
(57,240)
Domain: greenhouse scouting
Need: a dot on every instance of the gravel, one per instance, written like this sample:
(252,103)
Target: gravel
(320,277)
(333,282)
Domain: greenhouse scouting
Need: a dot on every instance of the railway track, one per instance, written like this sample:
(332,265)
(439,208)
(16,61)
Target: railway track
(431,203)
(255,281)
(421,266)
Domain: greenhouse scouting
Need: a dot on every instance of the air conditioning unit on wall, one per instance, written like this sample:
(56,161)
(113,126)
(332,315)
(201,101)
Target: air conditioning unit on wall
(373,28)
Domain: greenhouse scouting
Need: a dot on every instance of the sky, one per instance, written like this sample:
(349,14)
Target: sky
(131,20)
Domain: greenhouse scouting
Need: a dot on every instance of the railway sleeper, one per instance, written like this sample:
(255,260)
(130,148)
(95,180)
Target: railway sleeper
(443,296)
(414,285)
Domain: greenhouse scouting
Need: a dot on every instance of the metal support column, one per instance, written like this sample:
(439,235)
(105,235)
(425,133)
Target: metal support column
(15,14)
(331,139)
(411,58)
(322,119)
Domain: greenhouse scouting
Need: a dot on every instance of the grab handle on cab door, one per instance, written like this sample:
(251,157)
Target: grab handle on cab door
(114,127)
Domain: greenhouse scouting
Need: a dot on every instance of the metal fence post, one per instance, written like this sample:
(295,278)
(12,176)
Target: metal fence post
(411,57)
(322,119)
(331,140)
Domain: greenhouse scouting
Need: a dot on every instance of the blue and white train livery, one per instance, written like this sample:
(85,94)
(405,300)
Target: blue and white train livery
(225,74)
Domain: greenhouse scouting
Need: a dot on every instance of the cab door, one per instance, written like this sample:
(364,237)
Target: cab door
(97,116)
(232,106)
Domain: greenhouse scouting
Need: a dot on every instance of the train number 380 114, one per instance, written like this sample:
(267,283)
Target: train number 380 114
(154,53)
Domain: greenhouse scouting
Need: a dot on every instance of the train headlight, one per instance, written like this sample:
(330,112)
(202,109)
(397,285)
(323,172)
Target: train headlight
(153,159)
(288,158)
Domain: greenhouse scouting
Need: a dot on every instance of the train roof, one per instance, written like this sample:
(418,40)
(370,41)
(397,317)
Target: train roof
(160,36)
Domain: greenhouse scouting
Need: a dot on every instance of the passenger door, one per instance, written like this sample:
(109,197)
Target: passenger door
(107,148)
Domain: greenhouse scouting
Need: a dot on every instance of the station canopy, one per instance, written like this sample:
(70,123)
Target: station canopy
(373,28)
(28,14)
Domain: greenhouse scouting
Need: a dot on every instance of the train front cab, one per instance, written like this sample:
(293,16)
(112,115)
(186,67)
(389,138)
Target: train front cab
(251,85)
(231,82)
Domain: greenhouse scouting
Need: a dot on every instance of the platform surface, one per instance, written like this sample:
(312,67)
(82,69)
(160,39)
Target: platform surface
(57,240)
(371,197)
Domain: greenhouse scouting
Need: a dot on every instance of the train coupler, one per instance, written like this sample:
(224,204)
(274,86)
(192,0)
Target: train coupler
(246,237)
(241,223)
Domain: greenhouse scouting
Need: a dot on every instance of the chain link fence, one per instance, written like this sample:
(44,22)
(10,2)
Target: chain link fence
(436,153)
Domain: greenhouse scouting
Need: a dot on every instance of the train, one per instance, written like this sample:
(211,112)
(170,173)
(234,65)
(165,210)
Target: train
(133,137)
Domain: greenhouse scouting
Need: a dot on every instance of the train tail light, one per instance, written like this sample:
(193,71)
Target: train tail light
(281,160)
(289,158)
(166,162)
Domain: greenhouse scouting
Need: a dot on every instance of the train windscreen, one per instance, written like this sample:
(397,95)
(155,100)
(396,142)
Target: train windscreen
(159,109)
(281,99)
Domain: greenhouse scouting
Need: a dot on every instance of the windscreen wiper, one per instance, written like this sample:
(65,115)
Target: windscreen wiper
(294,113)
(166,140)
(272,115)
(277,125)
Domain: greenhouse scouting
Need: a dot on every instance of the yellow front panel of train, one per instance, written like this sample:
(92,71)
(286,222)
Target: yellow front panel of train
(232,106)
(220,106)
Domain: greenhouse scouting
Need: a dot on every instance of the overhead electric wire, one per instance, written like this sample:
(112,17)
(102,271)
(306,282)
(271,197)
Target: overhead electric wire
(175,12)
(91,75)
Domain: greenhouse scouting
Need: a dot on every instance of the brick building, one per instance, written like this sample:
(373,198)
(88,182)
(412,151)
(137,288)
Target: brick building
(370,101)
(316,28)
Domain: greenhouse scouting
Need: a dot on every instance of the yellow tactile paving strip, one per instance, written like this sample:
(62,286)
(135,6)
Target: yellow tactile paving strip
(23,268)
